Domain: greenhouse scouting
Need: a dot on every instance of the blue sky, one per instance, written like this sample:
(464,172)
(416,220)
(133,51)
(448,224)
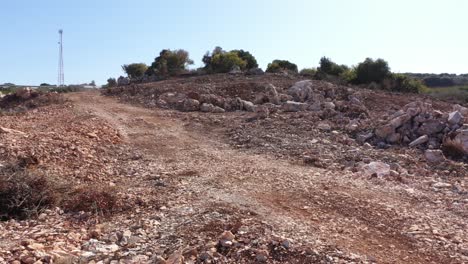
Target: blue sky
(100,36)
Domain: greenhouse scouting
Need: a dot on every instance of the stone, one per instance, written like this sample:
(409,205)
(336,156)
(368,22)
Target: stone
(190,105)
(455,118)
(235,70)
(463,110)
(209,108)
(363,137)
(175,258)
(324,126)
(261,256)
(376,168)
(5,130)
(384,131)
(399,121)
(301,91)
(291,106)
(434,156)
(420,140)
(272,94)
(247,105)
(441,185)
(431,127)
(329,105)
(255,71)
(227,235)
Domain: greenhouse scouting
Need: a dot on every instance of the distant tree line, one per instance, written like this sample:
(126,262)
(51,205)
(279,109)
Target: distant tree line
(372,73)
(440,80)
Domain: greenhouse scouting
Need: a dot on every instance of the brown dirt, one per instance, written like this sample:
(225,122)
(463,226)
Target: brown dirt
(190,179)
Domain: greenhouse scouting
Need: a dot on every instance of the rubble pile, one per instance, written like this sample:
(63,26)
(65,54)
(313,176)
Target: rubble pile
(419,125)
(28,98)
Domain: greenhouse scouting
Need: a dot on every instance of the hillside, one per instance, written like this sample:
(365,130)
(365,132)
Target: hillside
(239,169)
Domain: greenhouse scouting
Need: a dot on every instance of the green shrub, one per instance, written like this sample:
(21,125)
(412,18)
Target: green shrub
(308,72)
(372,71)
(327,66)
(111,82)
(402,83)
(135,70)
(281,65)
(225,62)
(170,63)
(248,58)
(220,61)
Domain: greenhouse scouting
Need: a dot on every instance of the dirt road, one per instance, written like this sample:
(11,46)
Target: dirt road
(310,206)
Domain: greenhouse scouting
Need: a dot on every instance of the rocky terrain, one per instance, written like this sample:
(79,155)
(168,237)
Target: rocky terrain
(239,169)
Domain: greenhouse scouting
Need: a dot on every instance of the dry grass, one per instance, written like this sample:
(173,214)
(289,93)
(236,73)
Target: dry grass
(24,193)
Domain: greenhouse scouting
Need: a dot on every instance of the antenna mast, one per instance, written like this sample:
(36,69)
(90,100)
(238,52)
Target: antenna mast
(60,79)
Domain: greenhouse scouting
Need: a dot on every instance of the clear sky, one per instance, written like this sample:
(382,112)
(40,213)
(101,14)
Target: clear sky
(101,35)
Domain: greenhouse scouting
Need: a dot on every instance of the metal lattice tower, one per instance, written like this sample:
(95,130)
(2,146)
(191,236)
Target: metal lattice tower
(60,78)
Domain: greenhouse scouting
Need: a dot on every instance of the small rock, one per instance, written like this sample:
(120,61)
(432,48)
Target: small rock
(420,140)
(261,256)
(434,156)
(455,118)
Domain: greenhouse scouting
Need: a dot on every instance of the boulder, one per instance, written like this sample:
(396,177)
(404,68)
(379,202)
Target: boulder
(247,105)
(301,91)
(463,110)
(329,105)
(434,156)
(190,105)
(431,127)
(211,99)
(384,131)
(455,118)
(291,106)
(209,108)
(255,71)
(235,70)
(376,168)
(272,94)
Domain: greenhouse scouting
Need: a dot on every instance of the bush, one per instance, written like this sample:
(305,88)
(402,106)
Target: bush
(135,70)
(281,65)
(23,193)
(220,61)
(111,82)
(402,83)
(97,199)
(170,63)
(372,71)
(308,72)
(248,58)
(327,66)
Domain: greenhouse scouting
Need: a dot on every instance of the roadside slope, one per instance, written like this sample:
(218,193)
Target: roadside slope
(311,206)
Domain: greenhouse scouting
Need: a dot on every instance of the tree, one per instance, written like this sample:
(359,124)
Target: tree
(221,61)
(281,65)
(170,63)
(92,83)
(327,66)
(372,71)
(44,84)
(248,58)
(135,70)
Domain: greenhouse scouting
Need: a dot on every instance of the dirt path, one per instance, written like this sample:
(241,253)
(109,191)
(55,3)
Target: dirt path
(308,205)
